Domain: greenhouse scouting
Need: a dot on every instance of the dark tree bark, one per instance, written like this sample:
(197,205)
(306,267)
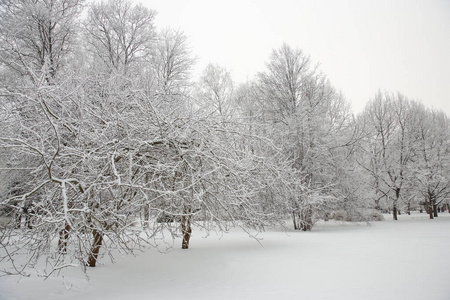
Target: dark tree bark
(95,249)
(435,209)
(394,205)
(295,221)
(394,213)
(430,209)
(186,230)
(431,205)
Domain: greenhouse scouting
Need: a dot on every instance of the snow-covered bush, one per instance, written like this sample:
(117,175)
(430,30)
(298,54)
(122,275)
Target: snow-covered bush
(375,216)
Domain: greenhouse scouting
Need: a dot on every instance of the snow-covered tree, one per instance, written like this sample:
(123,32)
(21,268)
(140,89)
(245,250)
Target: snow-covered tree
(304,112)
(172,62)
(119,33)
(432,161)
(36,35)
(215,92)
(390,145)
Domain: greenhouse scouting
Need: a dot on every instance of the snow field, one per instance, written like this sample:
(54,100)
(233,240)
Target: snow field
(407,259)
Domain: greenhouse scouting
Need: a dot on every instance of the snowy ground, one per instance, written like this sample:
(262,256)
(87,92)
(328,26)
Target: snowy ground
(408,259)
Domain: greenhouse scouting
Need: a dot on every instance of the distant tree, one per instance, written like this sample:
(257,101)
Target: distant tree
(432,161)
(390,144)
(36,35)
(215,91)
(172,61)
(304,113)
(119,32)
(284,82)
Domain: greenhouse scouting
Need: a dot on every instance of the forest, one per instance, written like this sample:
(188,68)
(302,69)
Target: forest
(109,144)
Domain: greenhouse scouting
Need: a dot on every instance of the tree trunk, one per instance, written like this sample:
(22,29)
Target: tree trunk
(435,209)
(306,219)
(394,205)
(186,230)
(95,249)
(63,238)
(394,211)
(430,210)
(294,220)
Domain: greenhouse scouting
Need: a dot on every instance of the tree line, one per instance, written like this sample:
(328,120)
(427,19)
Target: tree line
(108,142)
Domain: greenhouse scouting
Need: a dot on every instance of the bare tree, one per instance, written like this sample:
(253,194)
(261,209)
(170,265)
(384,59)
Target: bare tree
(215,92)
(432,162)
(390,144)
(36,35)
(67,140)
(172,61)
(120,32)
(304,111)
(283,83)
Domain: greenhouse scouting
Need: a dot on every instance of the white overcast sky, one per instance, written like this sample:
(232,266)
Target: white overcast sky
(363,46)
